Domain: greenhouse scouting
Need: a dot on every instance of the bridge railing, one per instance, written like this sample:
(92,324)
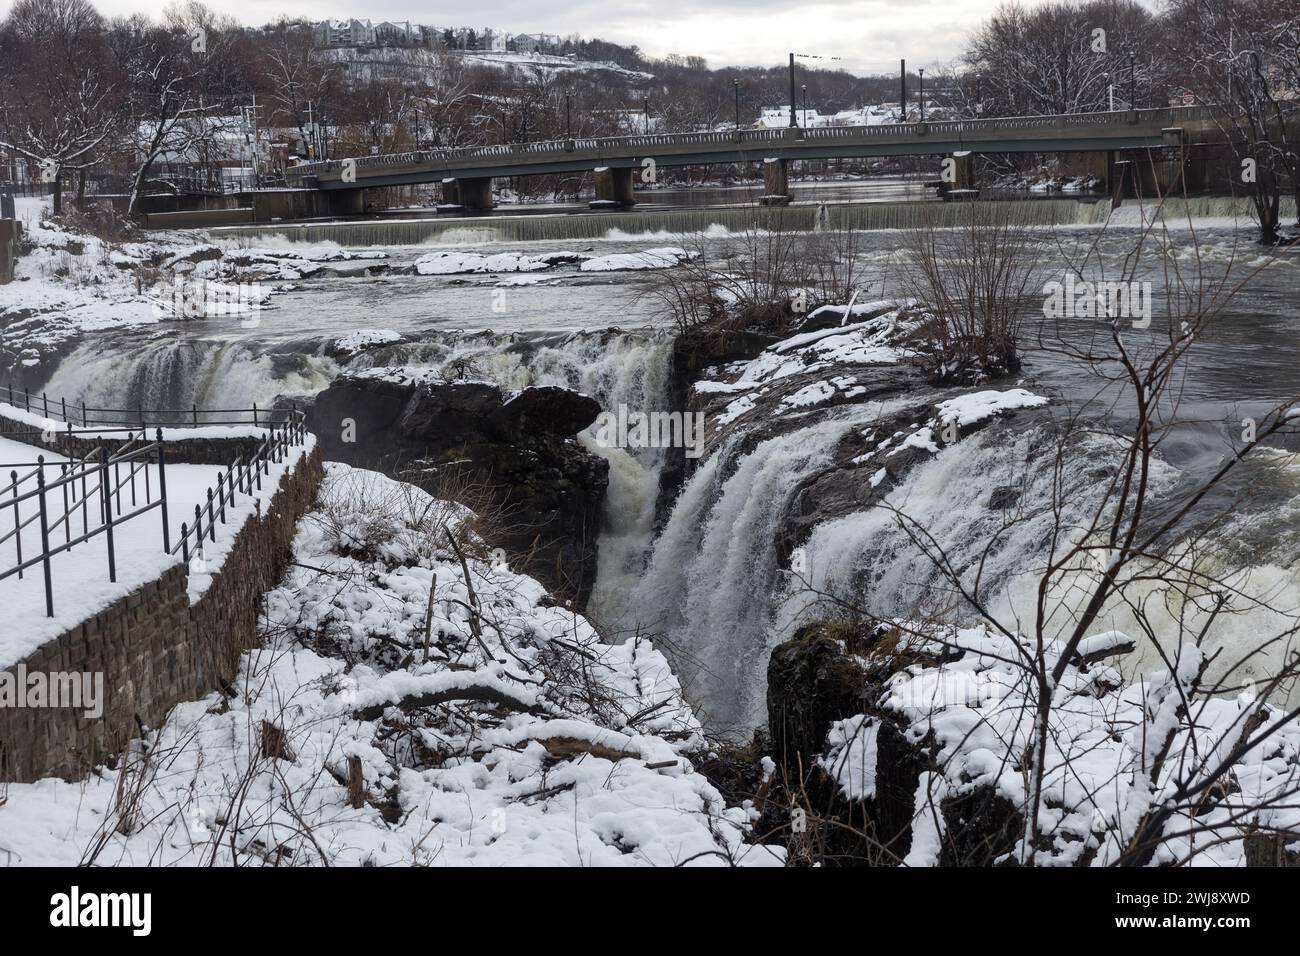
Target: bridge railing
(1161,117)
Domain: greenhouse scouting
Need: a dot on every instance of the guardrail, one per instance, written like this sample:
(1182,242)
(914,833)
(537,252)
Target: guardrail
(244,476)
(92,488)
(104,490)
(1156,118)
(85,416)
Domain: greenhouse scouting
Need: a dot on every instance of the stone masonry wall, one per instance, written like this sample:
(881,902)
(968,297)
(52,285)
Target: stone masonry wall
(155,649)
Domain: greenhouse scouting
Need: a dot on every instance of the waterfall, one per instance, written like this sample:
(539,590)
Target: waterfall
(180,374)
(662,222)
(708,586)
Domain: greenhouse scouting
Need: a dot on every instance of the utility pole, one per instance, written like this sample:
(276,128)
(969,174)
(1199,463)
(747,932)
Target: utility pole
(902,91)
(1132,81)
(921,91)
(793,124)
(979,98)
(736,85)
(645,102)
(804,88)
(568,126)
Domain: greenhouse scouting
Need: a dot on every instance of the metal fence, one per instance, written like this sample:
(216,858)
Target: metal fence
(59,507)
(82,415)
(90,491)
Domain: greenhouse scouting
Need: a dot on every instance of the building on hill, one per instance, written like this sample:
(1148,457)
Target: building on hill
(344,33)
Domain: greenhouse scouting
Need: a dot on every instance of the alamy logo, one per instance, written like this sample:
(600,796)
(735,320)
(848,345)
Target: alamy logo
(79,690)
(75,908)
(201,298)
(627,429)
(1106,299)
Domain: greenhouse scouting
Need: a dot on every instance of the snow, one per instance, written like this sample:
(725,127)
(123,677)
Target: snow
(363,339)
(976,407)
(592,767)
(969,703)
(664,258)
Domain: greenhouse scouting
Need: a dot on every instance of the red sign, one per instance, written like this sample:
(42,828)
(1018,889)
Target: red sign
(1189,98)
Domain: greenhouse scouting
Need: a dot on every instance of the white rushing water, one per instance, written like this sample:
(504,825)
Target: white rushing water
(714,569)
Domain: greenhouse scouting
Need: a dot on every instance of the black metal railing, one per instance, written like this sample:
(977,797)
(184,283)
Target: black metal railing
(82,415)
(91,491)
(243,476)
(82,499)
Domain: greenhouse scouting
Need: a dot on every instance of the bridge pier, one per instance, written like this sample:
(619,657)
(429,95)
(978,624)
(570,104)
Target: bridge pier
(776,183)
(345,202)
(473,195)
(613,188)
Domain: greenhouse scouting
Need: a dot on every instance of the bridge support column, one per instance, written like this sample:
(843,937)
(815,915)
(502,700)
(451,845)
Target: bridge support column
(613,188)
(473,195)
(345,202)
(776,183)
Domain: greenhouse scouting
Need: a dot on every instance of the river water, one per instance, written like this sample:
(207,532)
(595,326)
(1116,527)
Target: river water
(601,334)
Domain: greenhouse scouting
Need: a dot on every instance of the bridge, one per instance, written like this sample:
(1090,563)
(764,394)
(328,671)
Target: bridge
(467,172)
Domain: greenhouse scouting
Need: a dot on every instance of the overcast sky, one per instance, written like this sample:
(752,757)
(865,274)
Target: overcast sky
(868,35)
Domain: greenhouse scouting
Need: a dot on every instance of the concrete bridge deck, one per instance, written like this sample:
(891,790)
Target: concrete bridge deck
(1076,132)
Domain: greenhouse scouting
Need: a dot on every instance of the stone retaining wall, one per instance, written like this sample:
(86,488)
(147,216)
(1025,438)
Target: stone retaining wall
(154,648)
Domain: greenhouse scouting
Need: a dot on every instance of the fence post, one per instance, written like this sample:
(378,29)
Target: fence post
(185,542)
(162,494)
(221,496)
(212,519)
(18,531)
(195,408)
(255,414)
(45,537)
(67,519)
(84,420)
(106,502)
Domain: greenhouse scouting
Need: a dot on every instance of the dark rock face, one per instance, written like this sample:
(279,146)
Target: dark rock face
(830,672)
(521,452)
(550,411)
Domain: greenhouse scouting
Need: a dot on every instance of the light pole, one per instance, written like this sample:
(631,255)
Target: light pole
(804,88)
(979,99)
(793,124)
(735,84)
(1132,81)
(568,126)
(921,90)
(902,91)
(1110,91)
(645,102)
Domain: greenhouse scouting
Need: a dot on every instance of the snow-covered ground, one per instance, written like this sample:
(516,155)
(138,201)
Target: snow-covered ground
(477,722)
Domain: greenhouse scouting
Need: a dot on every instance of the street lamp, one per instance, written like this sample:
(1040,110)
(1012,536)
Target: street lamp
(804,88)
(1132,81)
(979,99)
(568,126)
(736,87)
(1110,91)
(645,102)
(921,90)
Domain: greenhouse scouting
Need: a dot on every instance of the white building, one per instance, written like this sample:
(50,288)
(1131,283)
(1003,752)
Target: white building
(345,33)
